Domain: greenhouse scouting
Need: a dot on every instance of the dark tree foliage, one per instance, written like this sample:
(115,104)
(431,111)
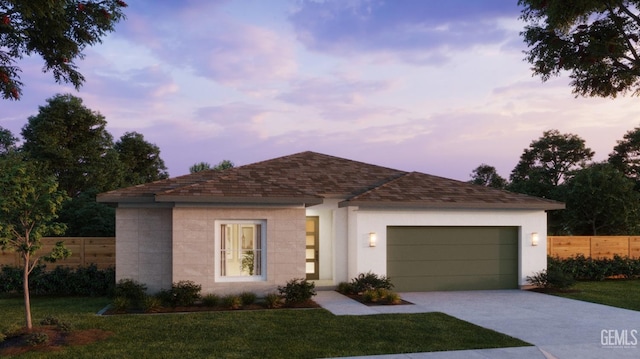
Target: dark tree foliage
(626,155)
(73,143)
(140,159)
(85,217)
(56,30)
(601,201)
(596,41)
(548,162)
(486,175)
(7,141)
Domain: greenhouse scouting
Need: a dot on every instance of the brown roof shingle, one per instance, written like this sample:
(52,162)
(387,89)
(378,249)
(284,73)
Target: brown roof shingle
(308,177)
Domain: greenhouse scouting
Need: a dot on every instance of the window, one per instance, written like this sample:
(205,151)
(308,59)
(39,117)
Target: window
(240,255)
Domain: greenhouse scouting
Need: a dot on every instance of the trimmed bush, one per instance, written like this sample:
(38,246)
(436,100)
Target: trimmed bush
(552,278)
(272,300)
(345,288)
(248,298)
(297,291)
(584,268)
(232,301)
(369,281)
(82,281)
(182,294)
(133,291)
(210,300)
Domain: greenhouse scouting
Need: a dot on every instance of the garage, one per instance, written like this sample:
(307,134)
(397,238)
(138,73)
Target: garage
(433,258)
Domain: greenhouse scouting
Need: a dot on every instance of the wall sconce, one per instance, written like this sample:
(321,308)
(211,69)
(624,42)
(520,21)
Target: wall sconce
(534,238)
(373,238)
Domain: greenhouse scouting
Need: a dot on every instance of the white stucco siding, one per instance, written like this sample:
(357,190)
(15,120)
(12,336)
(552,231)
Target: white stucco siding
(363,258)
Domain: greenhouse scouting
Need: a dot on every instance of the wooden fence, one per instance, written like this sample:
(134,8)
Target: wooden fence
(593,246)
(100,251)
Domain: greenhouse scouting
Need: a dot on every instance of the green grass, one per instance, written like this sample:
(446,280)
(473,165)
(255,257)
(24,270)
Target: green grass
(616,293)
(310,333)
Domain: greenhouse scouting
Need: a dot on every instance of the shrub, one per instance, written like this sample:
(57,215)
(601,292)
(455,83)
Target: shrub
(182,294)
(551,278)
(232,301)
(81,281)
(297,291)
(345,288)
(120,304)
(382,295)
(3,337)
(151,304)
(49,320)
(132,290)
(65,327)
(369,281)
(210,300)
(272,300)
(248,298)
(583,268)
(37,338)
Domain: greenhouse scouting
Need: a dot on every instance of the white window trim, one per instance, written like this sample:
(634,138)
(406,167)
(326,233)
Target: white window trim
(263,251)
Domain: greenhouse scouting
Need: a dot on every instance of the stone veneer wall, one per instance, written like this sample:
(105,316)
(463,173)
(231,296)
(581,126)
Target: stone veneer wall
(143,246)
(194,246)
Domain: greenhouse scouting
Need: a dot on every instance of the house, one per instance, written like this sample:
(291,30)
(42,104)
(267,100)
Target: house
(254,227)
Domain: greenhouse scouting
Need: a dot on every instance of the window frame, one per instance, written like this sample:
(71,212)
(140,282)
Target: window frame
(218,251)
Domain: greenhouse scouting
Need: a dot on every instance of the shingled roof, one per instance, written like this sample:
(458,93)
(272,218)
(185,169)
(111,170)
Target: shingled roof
(307,178)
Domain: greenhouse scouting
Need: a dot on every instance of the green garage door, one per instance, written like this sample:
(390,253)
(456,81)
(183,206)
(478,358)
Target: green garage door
(452,258)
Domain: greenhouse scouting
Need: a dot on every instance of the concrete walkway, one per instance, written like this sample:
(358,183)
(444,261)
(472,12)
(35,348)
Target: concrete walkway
(558,327)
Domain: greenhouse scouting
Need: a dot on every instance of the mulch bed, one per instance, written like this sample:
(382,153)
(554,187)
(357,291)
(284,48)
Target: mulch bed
(16,345)
(359,298)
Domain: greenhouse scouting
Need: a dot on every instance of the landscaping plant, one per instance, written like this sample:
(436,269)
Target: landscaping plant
(297,291)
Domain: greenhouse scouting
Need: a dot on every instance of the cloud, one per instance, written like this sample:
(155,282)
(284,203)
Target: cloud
(416,31)
(199,36)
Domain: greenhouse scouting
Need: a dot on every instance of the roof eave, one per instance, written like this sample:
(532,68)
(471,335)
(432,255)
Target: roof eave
(453,205)
(129,199)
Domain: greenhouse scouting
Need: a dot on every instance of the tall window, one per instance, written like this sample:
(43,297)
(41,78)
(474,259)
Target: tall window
(240,250)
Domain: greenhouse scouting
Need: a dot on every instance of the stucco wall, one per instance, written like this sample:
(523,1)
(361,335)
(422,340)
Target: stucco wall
(363,258)
(143,246)
(194,246)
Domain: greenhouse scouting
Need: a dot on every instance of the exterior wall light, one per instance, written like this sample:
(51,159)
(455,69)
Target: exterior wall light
(535,238)
(373,238)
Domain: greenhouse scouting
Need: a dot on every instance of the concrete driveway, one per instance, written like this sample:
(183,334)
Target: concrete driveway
(558,327)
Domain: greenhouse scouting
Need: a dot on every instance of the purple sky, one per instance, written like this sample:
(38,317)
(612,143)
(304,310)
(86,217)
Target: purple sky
(432,86)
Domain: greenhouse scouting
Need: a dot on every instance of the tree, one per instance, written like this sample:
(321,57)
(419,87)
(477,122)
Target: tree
(58,31)
(486,175)
(200,166)
(72,142)
(223,165)
(141,160)
(203,166)
(7,141)
(595,40)
(601,201)
(29,202)
(548,162)
(626,155)
(84,217)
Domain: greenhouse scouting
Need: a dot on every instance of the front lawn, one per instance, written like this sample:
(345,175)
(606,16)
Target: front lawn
(302,333)
(615,292)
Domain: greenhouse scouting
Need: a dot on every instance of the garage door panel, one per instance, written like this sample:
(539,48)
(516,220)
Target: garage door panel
(421,284)
(453,268)
(452,258)
(451,235)
(436,252)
